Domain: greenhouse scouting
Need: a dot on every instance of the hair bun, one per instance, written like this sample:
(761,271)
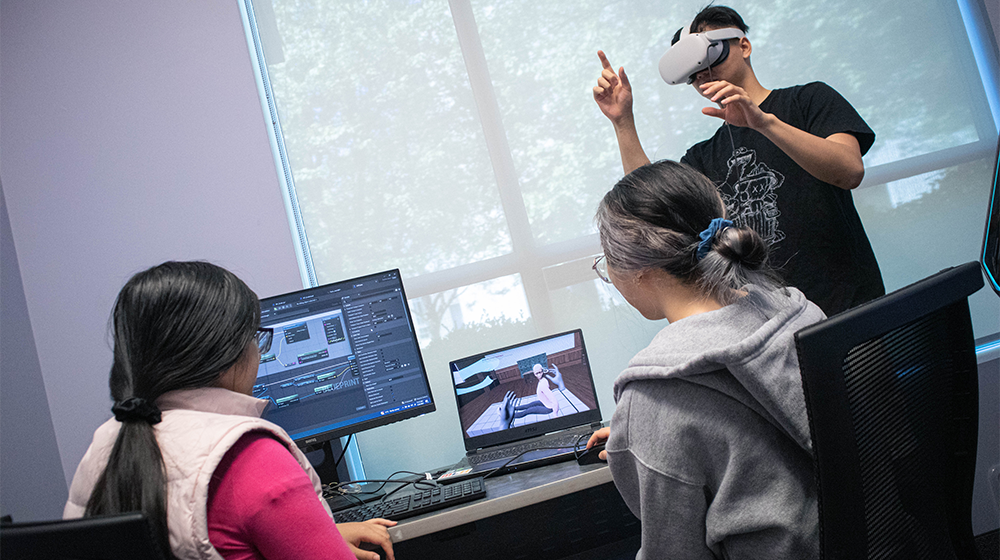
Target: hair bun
(742,245)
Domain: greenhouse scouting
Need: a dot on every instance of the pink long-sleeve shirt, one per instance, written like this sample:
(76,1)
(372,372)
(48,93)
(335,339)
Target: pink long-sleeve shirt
(262,505)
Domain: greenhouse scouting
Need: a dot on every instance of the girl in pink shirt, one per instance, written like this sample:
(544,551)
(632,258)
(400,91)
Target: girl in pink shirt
(234,486)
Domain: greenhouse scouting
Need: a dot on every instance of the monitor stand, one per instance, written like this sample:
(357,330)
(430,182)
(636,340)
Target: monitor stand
(323,464)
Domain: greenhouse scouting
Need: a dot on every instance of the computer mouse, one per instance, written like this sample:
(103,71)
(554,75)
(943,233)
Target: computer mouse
(591,456)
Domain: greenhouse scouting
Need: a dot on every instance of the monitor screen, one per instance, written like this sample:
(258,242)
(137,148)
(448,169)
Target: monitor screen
(344,358)
(549,379)
(991,239)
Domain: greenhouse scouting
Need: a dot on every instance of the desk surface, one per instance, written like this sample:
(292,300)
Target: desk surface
(506,493)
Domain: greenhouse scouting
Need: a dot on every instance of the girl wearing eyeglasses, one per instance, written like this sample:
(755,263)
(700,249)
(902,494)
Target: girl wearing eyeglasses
(709,443)
(187,445)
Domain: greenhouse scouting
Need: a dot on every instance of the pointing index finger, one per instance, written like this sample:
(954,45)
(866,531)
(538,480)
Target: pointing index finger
(604,59)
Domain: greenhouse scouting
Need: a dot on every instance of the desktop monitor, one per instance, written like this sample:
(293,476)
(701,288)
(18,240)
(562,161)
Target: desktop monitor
(991,238)
(343,358)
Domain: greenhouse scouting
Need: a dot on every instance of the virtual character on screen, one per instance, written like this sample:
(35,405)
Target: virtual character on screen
(547,402)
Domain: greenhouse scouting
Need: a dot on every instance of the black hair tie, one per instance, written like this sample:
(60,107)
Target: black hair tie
(135,408)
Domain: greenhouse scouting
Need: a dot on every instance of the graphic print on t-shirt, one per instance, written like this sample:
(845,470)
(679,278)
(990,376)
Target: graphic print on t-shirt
(748,192)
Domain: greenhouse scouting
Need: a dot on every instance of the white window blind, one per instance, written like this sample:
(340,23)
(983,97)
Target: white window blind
(459,142)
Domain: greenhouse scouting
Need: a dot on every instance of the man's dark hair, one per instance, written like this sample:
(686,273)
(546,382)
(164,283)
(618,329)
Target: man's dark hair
(715,17)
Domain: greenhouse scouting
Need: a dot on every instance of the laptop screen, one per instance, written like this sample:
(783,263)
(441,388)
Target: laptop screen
(525,390)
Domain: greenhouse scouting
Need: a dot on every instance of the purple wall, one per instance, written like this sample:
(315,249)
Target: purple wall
(130,133)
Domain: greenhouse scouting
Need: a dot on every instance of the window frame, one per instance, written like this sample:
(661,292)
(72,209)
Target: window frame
(544,268)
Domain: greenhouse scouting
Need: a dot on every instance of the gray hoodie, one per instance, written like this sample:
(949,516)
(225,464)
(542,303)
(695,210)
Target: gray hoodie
(710,443)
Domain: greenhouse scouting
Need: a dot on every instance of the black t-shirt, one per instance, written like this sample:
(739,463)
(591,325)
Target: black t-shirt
(817,241)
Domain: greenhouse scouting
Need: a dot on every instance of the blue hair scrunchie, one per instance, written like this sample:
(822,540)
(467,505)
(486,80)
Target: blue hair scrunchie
(707,236)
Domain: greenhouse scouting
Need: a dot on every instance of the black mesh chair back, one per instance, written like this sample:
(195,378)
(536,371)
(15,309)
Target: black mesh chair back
(127,536)
(891,388)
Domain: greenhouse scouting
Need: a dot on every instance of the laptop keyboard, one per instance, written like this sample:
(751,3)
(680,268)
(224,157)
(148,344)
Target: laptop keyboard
(563,439)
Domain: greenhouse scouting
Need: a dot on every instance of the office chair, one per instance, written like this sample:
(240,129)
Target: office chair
(126,536)
(891,390)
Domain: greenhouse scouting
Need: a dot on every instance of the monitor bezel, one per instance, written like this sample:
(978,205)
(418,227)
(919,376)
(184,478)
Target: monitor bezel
(991,236)
(316,441)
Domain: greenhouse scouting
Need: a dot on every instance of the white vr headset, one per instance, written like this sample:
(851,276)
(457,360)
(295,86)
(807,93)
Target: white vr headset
(695,52)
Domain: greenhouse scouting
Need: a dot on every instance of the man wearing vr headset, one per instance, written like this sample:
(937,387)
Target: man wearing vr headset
(784,160)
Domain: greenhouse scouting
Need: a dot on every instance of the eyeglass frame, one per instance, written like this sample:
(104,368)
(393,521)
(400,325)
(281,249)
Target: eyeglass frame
(264,336)
(601,270)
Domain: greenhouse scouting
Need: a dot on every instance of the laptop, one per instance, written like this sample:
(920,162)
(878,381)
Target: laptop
(524,406)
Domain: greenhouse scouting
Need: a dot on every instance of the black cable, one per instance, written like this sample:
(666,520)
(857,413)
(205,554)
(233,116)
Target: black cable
(576,446)
(343,452)
(384,481)
(431,483)
(729,128)
(403,484)
(351,497)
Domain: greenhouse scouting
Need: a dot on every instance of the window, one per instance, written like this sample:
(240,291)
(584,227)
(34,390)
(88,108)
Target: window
(458,141)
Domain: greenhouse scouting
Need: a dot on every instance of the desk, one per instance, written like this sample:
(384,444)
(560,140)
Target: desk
(550,512)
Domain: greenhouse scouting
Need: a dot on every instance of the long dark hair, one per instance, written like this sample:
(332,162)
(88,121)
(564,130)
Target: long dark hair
(178,325)
(652,219)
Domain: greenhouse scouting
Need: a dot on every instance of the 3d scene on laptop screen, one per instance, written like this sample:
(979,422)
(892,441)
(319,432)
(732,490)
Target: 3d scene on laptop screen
(343,358)
(524,384)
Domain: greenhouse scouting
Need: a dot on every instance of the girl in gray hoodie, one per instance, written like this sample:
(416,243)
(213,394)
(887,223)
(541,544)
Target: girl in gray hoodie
(709,444)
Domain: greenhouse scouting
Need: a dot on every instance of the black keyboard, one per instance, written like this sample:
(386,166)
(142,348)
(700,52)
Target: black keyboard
(565,439)
(417,503)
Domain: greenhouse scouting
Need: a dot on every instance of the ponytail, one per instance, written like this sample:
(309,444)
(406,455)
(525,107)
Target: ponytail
(134,480)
